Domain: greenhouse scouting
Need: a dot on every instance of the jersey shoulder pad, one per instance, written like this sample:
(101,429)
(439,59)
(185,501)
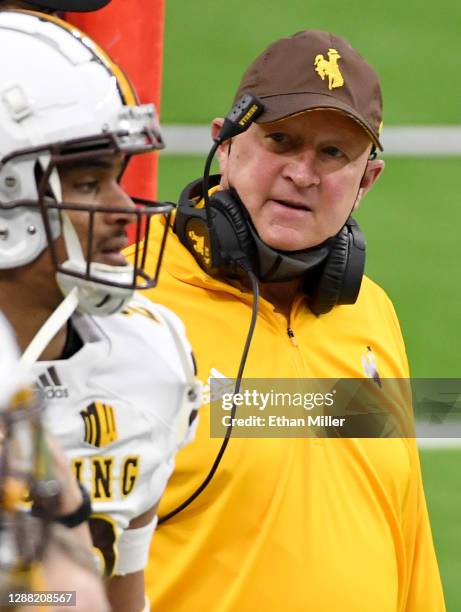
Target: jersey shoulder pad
(142,305)
(139,305)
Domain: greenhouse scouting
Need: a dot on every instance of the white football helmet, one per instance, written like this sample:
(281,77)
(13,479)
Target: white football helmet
(63,100)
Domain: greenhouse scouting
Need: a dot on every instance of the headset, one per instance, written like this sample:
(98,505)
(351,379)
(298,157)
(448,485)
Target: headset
(224,242)
(332,271)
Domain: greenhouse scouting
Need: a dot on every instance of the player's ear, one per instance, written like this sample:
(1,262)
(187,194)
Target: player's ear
(371,174)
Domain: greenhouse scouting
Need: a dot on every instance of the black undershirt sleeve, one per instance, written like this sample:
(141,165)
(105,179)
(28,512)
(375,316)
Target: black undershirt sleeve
(73,342)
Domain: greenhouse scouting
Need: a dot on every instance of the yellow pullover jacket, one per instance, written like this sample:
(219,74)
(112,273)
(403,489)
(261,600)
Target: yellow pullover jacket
(291,525)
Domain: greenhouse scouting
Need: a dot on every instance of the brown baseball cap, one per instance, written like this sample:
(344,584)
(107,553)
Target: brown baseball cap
(315,70)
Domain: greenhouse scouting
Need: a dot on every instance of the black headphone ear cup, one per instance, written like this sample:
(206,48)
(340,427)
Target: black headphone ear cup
(329,285)
(223,249)
(230,222)
(341,277)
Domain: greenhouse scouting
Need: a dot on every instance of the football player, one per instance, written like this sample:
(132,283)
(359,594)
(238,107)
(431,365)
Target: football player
(117,372)
(22,470)
(36,553)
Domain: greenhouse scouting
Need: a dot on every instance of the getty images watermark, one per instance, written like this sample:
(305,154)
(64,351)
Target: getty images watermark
(260,401)
(344,408)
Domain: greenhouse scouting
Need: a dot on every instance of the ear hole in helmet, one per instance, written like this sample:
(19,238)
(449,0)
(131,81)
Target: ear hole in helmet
(38,174)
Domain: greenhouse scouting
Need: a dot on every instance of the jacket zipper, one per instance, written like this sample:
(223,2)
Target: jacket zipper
(291,335)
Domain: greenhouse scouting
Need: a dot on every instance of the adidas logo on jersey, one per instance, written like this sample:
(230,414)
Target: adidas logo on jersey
(50,385)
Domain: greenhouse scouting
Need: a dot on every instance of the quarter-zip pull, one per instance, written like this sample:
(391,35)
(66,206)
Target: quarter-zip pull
(291,335)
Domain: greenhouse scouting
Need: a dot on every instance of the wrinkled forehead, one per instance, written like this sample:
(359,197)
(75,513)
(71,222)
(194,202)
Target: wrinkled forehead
(326,121)
(322,117)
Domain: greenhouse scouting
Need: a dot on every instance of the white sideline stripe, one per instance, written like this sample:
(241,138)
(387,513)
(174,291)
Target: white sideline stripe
(439,443)
(428,435)
(418,141)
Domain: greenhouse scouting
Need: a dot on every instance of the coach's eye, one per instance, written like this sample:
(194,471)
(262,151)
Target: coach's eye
(278,137)
(333,152)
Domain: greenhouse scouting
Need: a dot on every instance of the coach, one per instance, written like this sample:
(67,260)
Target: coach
(291,524)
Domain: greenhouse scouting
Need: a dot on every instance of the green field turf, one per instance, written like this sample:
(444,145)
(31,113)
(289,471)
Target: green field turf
(411,220)
(414,47)
(442,478)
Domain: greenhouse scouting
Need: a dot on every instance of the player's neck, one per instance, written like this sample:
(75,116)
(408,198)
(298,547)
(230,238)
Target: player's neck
(281,295)
(27,304)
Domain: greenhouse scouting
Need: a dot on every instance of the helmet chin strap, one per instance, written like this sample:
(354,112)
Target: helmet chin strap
(50,328)
(62,313)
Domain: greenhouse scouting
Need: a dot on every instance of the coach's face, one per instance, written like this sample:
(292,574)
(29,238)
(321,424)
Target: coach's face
(300,177)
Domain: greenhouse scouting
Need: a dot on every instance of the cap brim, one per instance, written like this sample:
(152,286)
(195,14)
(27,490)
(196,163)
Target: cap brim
(73,6)
(285,105)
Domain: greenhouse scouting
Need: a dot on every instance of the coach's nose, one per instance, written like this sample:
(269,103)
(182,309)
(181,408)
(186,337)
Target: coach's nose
(301,169)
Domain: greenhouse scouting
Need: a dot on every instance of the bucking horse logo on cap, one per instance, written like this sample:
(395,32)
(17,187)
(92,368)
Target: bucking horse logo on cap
(329,68)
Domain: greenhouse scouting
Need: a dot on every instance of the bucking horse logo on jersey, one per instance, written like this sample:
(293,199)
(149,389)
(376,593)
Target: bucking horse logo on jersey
(329,68)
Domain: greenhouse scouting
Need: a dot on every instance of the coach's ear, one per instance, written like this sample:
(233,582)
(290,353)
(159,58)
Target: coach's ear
(222,154)
(372,172)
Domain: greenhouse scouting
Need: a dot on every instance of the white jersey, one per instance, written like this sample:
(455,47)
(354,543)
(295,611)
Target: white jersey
(120,407)
(11,375)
